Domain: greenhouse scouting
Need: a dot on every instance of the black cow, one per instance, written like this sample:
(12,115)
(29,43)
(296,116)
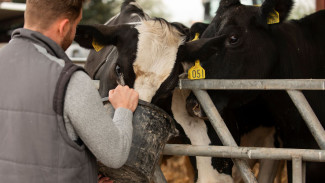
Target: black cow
(250,48)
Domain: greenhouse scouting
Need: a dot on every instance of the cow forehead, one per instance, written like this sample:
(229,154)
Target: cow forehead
(158,44)
(238,15)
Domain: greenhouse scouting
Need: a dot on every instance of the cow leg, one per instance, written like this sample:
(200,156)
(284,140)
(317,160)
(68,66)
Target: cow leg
(268,168)
(196,131)
(268,171)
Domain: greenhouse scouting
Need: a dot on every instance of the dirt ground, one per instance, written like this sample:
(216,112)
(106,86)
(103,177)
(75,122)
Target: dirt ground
(178,169)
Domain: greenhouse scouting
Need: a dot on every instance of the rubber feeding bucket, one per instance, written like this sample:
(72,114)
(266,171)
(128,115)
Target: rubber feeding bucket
(152,128)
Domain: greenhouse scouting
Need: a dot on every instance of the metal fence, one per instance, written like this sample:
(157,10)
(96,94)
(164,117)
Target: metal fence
(79,61)
(238,154)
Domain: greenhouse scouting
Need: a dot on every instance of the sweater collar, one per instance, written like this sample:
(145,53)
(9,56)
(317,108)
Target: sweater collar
(38,38)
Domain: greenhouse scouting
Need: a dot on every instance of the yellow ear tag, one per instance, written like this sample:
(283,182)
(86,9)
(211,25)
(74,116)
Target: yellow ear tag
(274,17)
(196,36)
(196,72)
(97,46)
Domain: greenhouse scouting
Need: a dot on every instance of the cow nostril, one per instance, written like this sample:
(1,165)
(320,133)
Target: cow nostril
(118,70)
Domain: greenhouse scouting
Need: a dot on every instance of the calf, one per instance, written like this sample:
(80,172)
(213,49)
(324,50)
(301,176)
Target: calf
(250,48)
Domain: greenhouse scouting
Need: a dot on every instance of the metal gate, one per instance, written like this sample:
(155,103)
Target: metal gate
(238,154)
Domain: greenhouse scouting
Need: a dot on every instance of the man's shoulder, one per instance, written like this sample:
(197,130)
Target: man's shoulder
(15,46)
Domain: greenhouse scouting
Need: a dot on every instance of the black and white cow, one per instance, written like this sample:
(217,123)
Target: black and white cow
(143,53)
(250,48)
(140,51)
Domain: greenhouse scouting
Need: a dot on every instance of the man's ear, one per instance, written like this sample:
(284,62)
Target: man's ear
(64,27)
(201,49)
(283,7)
(101,34)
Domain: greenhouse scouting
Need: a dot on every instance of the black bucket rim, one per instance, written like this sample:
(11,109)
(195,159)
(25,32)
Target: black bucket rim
(155,107)
(137,170)
(163,112)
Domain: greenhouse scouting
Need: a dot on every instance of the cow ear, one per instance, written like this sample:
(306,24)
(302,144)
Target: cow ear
(100,34)
(197,29)
(201,49)
(282,7)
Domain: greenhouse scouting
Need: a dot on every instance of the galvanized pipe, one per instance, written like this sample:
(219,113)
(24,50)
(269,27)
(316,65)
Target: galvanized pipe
(251,84)
(215,118)
(309,116)
(223,133)
(297,169)
(304,171)
(245,152)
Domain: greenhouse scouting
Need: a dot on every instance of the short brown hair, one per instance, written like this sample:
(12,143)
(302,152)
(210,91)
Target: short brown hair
(44,12)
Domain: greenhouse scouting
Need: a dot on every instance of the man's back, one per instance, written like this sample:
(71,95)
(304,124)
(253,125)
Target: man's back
(29,123)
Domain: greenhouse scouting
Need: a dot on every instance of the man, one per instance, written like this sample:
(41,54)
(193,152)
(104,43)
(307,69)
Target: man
(51,114)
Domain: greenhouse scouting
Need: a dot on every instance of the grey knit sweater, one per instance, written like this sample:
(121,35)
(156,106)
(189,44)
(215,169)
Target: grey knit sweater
(85,117)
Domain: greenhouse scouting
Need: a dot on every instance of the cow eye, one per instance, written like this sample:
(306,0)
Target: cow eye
(118,70)
(233,39)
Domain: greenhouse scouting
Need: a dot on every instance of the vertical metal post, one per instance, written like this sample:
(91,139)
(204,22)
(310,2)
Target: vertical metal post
(304,171)
(297,170)
(223,133)
(309,116)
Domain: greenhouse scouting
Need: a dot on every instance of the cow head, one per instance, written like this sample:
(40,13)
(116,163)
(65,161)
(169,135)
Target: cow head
(247,48)
(147,56)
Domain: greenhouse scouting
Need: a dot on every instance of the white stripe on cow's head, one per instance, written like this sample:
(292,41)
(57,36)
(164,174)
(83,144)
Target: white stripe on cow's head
(156,55)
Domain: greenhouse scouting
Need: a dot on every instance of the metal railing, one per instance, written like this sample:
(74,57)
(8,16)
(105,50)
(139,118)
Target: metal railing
(238,154)
(79,61)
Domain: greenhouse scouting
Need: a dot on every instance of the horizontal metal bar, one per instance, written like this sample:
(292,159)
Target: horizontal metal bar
(251,84)
(78,59)
(245,152)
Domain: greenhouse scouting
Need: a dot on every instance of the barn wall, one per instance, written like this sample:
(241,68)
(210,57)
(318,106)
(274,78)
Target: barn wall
(320,4)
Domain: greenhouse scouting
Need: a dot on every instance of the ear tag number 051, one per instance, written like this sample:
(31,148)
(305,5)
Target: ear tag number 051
(196,72)
(97,46)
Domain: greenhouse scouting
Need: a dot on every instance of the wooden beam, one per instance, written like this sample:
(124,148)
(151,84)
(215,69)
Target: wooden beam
(320,4)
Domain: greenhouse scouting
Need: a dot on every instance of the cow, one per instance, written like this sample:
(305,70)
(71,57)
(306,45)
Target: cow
(251,46)
(137,50)
(145,53)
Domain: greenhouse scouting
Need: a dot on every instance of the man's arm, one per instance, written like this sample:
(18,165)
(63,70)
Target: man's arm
(108,139)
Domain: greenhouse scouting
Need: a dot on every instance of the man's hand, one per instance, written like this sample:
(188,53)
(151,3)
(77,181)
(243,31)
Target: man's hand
(123,96)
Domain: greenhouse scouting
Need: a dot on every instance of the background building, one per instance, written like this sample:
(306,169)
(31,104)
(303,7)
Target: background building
(11,17)
(99,11)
